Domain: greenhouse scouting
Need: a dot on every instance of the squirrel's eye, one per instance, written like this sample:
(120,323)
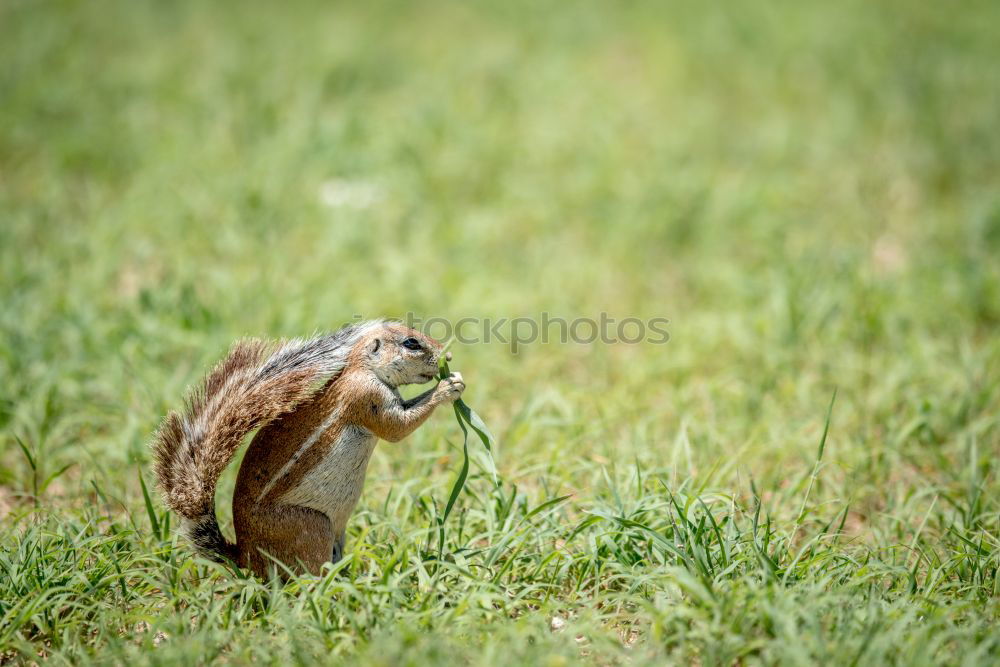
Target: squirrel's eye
(412,344)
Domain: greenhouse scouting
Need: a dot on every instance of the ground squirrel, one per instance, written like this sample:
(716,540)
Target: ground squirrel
(321,405)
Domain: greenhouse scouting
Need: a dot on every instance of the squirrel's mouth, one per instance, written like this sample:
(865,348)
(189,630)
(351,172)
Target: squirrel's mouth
(426,377)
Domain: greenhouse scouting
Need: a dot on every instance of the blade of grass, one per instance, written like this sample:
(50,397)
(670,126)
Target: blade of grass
(154,522)
(816,467)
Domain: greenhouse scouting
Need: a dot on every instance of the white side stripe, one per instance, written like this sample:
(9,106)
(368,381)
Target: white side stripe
(309,442)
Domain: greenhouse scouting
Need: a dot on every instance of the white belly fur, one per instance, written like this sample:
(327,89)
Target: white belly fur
(334,485)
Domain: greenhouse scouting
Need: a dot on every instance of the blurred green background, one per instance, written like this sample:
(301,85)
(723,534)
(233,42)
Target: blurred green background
(809,191)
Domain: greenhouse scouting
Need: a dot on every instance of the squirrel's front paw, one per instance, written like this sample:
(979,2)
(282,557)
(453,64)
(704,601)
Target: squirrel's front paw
(451,388)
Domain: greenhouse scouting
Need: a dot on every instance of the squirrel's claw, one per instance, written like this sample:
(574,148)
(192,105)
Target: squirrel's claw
(451,387)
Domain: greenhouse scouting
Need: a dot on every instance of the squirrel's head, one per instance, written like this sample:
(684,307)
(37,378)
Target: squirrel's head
(400,355)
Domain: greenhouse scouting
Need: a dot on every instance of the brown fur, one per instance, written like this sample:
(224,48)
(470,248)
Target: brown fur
(303,438)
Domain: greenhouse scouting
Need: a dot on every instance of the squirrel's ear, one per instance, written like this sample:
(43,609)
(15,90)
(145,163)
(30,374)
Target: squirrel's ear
(374,346)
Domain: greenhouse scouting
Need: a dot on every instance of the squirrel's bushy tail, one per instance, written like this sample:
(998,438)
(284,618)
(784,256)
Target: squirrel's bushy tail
(254,384)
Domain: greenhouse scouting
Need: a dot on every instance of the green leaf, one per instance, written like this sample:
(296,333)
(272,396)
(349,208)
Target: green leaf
(149,507)
(462,475)
(27,452)
(466,418)
(464,412)
(546,505)
(477,424)
(826,427)
(48,480)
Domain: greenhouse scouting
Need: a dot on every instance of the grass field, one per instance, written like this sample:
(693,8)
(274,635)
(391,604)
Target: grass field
(810,192)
